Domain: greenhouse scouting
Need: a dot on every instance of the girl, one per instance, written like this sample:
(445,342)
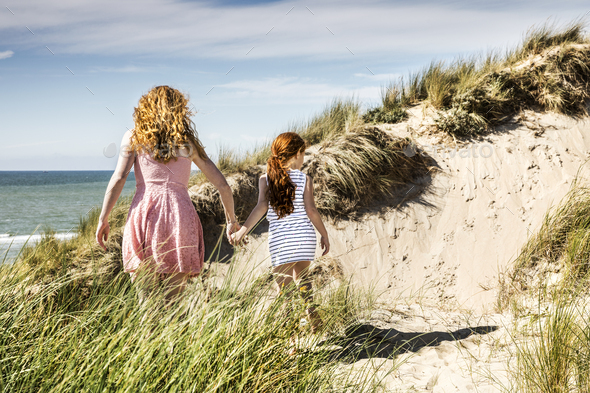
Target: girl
(286,197)
(163,236)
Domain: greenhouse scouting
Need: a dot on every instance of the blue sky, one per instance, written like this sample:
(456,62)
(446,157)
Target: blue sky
(71,72)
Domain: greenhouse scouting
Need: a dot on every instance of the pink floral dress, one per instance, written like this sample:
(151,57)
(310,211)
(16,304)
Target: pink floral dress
(163,231)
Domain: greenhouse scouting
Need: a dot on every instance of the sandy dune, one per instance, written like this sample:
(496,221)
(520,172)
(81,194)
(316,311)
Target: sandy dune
(434,251)
(457,231)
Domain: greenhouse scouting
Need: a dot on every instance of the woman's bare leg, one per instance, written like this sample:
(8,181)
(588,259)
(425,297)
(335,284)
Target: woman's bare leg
(146,284)
(174,285)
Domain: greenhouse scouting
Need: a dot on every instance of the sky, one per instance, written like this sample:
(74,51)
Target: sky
(72,71)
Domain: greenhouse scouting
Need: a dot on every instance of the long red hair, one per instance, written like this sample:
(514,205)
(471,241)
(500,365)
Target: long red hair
(281,190)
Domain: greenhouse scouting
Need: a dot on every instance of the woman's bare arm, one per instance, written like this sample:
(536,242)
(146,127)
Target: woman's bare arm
(257,213)
(214,175)
(314,215)
(114,189)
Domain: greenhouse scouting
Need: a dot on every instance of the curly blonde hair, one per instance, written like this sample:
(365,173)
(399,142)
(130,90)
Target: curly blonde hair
(162,123)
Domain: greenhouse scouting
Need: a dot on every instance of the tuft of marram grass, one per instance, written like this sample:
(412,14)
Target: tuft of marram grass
(338,117)
(392,109)
(360,166)
(562,244)
(548,35)
(544,361)
(553,352)
(549,70)
(230,161)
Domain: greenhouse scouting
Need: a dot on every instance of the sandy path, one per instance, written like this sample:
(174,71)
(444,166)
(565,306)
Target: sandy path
(448,352)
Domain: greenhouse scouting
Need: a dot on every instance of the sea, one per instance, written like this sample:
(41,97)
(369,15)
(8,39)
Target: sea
(33,202)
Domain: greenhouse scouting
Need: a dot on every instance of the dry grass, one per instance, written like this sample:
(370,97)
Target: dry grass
(548,71)
(561,246)
(392,109)
(337,118)
(360,166)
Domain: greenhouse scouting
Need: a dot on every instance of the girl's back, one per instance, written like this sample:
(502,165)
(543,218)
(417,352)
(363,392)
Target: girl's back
(299,179)
(291,238)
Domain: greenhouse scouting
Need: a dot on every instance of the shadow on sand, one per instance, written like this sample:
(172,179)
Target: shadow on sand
(367,341)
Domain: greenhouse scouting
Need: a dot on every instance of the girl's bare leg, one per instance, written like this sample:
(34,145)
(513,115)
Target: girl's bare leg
(283,275)
(298,272)
(301,276)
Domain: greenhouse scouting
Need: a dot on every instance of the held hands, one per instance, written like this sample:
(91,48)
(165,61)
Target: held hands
(239,236)
(102,233)
(230,231)
(325,244)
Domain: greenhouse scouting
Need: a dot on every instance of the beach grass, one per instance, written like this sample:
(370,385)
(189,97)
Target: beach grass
(548,71)
(560,247)
(362,166)
(553,350)
(547,285)
(78,332)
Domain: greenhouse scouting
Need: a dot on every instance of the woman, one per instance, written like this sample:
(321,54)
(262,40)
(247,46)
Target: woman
(163,237)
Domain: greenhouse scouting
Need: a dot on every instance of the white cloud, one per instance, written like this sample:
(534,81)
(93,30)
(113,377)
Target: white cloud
(379,77)
(125,69)
(294,90)
(6,54)
(379,28)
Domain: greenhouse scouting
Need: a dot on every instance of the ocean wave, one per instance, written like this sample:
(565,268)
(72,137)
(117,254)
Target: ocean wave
(18,240)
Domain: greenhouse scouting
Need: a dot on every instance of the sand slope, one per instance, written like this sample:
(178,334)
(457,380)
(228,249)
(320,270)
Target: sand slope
(465,223)
(438,351)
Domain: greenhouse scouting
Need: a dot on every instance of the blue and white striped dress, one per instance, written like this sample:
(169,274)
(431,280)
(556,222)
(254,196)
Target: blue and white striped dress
(291,238)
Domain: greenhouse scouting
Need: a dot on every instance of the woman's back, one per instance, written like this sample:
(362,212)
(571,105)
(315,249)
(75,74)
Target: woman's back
(162,224)
(150,172)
